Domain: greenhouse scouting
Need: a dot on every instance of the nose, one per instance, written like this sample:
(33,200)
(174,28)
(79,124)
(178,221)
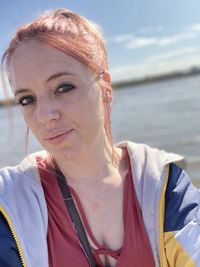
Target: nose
(47,111)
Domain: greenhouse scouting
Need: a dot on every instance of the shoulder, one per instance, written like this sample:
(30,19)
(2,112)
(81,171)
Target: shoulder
(149,167)
(181,219)
(182,199)
(148,164)
(24,173)
(8,250)
(22,199)
(143,152)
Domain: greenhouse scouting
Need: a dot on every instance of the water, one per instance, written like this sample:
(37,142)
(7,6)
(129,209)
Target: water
(164,114)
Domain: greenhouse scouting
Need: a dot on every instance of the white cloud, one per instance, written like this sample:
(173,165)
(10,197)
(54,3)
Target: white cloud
(148,29)
(175,60)
(195,27)
(122,38)
(131,41)
(173,54)
(141,42)
(176,38)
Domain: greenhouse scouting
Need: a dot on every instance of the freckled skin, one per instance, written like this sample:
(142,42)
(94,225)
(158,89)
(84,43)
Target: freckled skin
(79,109)
(95,205)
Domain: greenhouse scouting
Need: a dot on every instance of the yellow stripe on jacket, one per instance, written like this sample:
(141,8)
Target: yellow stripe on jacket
(176,255)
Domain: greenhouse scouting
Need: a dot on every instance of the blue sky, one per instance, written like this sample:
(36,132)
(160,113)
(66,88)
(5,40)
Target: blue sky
(144,37)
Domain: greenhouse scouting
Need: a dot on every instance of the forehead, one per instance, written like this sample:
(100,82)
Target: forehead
(36,60)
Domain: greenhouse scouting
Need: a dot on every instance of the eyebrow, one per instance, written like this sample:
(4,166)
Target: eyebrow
(52,77)
(57,75)
(20,91)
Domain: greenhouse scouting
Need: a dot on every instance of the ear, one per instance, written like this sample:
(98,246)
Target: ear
(107,98)
(106,76)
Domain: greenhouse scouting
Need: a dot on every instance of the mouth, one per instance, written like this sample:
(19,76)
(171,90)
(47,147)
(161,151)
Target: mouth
(56,138)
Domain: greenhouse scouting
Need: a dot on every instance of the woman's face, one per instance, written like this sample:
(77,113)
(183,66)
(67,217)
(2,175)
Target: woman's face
(60,100)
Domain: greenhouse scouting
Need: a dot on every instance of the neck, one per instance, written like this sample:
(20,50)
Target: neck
(93,165)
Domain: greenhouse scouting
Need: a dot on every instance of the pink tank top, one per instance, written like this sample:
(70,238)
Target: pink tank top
(63,245)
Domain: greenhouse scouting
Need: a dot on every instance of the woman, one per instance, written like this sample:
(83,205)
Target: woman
(123,205)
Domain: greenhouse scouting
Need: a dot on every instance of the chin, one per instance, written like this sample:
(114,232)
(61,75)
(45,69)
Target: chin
(66,153)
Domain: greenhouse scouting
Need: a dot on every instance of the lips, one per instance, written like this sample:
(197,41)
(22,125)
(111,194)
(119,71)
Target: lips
(57,137)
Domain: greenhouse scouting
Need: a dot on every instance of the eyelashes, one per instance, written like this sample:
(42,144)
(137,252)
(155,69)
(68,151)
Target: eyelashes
(28,100)
(64,88)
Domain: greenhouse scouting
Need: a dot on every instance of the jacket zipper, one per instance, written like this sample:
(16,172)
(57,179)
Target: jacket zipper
(163,262)
(14,236)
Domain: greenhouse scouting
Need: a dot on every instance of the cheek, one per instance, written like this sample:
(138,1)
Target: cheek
(92,116)
(86,116)
(30,121)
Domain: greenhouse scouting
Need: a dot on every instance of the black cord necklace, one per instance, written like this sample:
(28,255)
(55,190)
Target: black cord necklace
(76,220)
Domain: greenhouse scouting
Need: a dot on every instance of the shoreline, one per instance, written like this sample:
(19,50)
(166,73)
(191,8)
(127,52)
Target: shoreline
(196,183)
(195,71)
(157,78)
(8,102)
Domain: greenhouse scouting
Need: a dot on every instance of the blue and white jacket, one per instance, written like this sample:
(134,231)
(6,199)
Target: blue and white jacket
(169,204)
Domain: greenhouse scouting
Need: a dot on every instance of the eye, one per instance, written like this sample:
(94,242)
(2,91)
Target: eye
(26,100)
(64,88)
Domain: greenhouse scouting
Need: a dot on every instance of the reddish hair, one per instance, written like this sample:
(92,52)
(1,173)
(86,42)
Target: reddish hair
(75,36)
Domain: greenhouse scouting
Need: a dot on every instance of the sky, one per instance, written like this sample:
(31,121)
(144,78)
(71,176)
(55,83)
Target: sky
(144,37)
